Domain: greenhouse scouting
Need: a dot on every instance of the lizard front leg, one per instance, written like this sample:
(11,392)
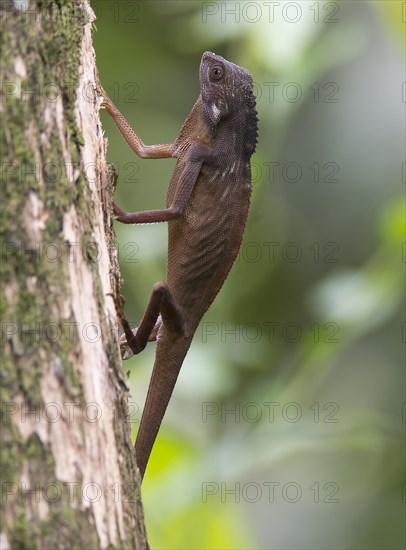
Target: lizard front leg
(193,161)
(184,189)
(136,144)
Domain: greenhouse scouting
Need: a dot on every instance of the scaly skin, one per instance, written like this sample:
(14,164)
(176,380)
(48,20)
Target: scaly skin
(207,206)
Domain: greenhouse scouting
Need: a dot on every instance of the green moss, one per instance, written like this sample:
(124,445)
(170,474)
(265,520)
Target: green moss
(21,536)
(10,457)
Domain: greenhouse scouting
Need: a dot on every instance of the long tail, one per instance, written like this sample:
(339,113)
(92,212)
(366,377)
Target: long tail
(169,357)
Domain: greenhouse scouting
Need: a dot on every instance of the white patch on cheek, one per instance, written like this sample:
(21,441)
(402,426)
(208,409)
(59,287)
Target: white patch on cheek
(216,111)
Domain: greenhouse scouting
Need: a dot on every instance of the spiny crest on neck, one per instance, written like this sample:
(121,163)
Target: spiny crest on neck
(251,123)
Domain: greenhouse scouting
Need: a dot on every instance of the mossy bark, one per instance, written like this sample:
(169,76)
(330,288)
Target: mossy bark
(68,471)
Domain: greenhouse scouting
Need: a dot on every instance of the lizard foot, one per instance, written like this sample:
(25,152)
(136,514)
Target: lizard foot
(118,214)
(125,349)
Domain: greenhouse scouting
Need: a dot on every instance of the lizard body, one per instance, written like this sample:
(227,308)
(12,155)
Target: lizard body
(206,208)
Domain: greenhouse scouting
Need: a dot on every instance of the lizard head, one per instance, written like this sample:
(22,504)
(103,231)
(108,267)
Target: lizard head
(227,90)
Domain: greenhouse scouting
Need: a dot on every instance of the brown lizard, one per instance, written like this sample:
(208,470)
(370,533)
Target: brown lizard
(206,209)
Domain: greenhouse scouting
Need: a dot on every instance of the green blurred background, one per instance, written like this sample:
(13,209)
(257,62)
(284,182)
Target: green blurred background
(286,428)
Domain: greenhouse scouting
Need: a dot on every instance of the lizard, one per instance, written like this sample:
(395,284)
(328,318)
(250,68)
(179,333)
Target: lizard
(207,205)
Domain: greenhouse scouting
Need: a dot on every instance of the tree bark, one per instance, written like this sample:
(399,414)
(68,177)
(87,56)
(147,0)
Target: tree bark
(68,470)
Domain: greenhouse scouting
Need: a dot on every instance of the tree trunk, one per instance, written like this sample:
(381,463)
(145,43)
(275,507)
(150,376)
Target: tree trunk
(68,469)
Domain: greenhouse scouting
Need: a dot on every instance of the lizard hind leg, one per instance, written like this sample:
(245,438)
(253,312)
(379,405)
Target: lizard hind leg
(162,308)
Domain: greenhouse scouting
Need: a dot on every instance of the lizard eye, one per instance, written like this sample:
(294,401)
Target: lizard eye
(216,72)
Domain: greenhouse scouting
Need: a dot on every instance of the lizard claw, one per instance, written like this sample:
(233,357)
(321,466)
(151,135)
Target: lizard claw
(105,100)
(125,350)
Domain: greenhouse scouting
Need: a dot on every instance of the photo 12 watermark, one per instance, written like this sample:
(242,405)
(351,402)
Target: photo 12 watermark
(271,412)
(71,492)
(67,412)
(270,12)
(270,332)
(270,492)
